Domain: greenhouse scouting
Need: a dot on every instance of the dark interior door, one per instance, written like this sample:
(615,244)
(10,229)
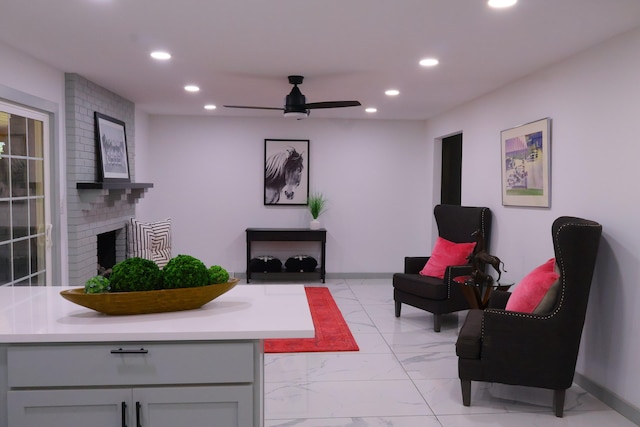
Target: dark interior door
(451,187)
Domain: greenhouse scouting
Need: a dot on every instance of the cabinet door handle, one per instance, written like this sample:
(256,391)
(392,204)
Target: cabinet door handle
(124,414)
(138,409)
(130,351)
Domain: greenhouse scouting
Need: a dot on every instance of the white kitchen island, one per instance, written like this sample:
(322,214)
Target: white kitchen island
(65,365)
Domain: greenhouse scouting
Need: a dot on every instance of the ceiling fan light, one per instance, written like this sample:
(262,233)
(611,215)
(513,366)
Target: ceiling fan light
(297,114)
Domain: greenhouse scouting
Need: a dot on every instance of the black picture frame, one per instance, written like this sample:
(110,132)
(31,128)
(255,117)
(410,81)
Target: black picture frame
(286,172)
(111,147)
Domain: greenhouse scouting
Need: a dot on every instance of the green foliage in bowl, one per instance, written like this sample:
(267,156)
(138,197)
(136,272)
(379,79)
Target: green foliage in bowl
(218,274)
(97,285)
(184,271)
(135,274)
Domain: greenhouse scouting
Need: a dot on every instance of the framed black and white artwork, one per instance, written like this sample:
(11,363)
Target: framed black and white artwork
(111,139)
(286,172)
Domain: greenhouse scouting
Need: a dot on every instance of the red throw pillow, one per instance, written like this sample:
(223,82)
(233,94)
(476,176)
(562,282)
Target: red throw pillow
(444,254)
(532,290)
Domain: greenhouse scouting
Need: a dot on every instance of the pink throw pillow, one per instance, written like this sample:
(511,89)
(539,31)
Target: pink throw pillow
(533,288)
(444,254)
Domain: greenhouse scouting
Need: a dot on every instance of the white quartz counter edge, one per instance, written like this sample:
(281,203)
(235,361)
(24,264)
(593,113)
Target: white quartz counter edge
(246,312)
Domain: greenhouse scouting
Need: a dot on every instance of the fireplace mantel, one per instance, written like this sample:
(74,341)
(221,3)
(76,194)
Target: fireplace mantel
(110,193)
(112,185)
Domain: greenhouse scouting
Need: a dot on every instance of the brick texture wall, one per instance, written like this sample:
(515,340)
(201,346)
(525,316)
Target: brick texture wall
(91,212)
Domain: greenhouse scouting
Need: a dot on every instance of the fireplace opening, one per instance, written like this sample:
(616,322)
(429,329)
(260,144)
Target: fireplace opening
(106,252)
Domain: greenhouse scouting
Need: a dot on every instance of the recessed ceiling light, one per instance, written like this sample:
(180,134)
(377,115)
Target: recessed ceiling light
(501,3)
(429,62)
(371,110)
(161,55)
(392,92)
(191,88)
(209,107)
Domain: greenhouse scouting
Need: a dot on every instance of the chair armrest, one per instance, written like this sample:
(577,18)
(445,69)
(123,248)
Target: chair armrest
(498,299)
(414,264)
(453,271)
(522,341)
(515,329)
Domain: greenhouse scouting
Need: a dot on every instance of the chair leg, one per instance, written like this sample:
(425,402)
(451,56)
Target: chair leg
(398,304)
(466,392)
(437,321)
(558,402)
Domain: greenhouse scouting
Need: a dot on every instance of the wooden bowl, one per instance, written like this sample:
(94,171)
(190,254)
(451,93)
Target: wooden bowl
(160,301)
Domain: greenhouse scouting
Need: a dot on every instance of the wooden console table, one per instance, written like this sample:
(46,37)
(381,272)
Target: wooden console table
(288,235)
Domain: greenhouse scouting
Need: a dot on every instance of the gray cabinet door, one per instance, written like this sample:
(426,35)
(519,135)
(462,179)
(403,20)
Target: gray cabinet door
(229,406)
(65,408)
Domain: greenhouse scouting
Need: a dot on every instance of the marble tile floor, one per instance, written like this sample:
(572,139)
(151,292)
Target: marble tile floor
(404,375)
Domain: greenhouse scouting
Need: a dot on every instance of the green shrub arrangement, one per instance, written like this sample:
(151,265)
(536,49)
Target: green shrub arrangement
(184,271)
(218,274)
(139,274)
(97,285)
(135,274)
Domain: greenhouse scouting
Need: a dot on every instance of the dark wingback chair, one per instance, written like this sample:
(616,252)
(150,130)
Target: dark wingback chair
(535,350)
(440,296)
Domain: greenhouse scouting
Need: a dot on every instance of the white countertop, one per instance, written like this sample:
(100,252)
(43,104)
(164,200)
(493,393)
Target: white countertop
(42,315)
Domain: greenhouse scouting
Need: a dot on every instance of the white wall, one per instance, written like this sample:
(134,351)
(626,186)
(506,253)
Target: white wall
(593,100)
(34,84)
(208,177)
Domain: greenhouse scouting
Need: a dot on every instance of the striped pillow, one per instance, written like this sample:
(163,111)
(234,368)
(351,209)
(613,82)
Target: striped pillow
(149,240)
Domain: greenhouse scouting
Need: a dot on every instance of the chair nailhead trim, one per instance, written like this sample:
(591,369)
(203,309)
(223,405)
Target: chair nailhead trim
(558,306)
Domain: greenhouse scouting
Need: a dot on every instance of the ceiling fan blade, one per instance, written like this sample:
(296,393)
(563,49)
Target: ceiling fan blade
(254,108)
(332,104)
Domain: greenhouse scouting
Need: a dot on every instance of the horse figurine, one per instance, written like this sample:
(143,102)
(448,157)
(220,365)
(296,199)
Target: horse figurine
(282,170)
(492,260)
(480,257)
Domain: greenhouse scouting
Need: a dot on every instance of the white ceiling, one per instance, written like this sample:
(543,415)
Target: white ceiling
(241,51)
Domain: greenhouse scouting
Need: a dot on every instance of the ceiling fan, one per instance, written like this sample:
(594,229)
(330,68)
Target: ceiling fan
(295,103)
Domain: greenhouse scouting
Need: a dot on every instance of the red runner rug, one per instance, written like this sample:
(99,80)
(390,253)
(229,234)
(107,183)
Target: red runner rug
(332,332)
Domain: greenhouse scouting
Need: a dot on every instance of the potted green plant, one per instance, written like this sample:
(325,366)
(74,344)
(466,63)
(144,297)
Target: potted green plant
(317,205)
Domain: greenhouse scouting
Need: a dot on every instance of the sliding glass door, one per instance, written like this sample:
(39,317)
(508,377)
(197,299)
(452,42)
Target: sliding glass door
(25,224)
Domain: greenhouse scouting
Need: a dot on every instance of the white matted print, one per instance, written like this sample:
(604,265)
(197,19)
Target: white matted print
(526,164)
(112,149)
(286,171)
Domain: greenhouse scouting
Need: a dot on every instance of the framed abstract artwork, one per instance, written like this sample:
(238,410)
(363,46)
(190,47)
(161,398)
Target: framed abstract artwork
(111,142)
(526,164)
(286,172)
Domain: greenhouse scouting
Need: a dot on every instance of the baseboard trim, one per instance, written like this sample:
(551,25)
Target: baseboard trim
(389,276)
(360,276)
(608,397)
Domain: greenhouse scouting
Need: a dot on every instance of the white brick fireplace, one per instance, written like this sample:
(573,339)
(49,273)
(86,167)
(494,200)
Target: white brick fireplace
(94,211)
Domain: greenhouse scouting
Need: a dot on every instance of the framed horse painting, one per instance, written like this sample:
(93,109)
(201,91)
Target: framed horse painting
(286,172)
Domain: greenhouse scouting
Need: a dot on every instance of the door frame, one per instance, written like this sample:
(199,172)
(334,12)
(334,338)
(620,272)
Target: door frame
(59,252)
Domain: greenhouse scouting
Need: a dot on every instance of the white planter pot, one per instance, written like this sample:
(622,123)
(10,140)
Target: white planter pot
(315,224)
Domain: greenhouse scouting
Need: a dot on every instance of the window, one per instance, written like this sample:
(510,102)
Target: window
(24,213)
